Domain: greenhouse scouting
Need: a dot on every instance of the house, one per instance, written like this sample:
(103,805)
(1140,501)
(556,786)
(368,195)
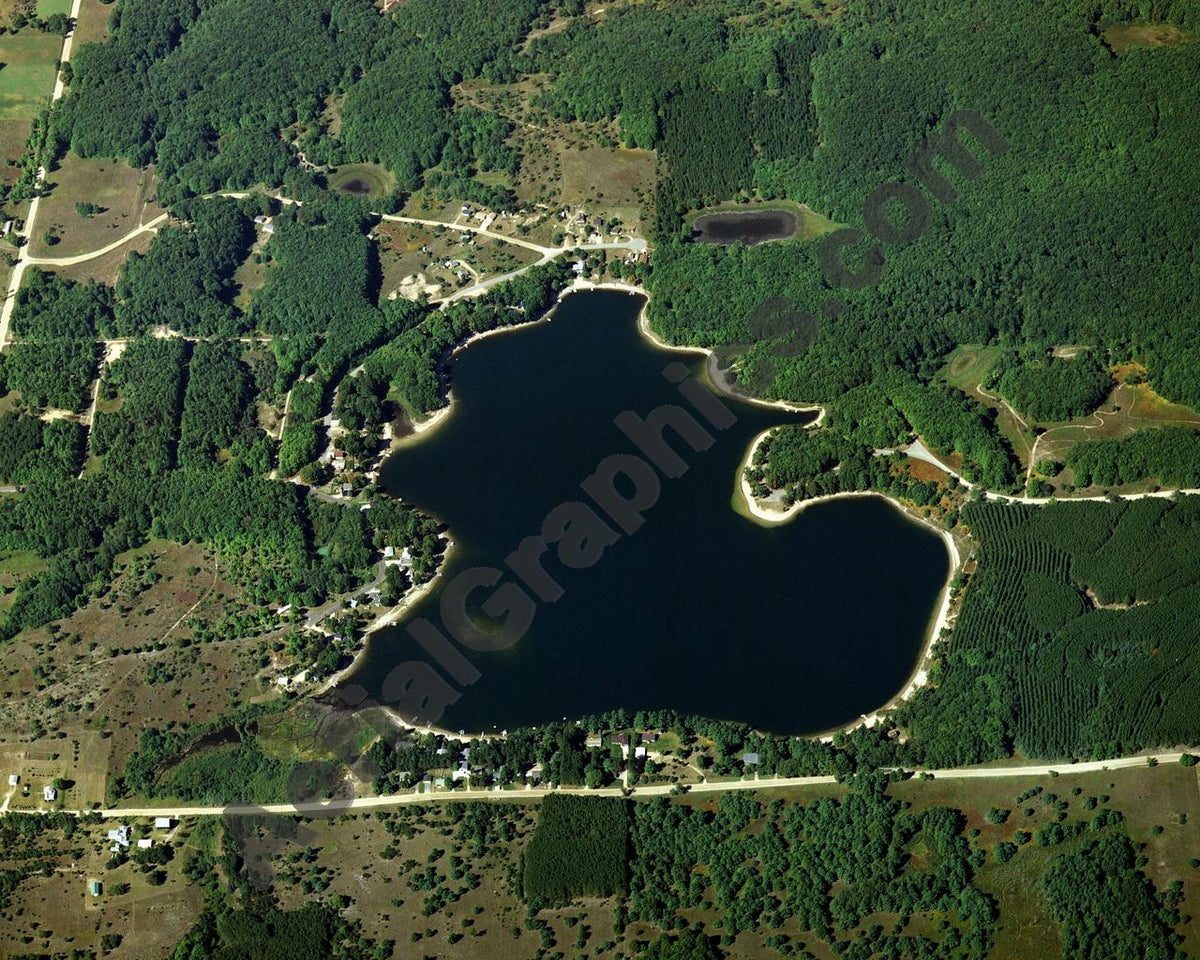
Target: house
(94,888)
(639,753)
(622,741)
(282,681)
(49,794)
(750,759)
(534,775)
(440,783)
(577,268)
(406,558)
(592,742)
(389,552)
(268,228)
(14,779)
(163,823)
(145,843)
(120,835)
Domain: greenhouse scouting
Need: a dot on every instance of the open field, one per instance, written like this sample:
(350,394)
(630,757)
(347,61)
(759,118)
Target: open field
(379,862)
(1125,37)
(132,657)
(1130,407)
(107,267)
(27,78)
(122,193)
(92,26)
(614,182)
(13,136)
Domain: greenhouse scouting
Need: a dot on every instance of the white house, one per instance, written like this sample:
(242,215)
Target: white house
(49,794)
(120,837)
(14,779)
(145,843)
(163,823)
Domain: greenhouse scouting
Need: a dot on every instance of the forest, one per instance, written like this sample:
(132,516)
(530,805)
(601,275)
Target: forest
(580,848)
(1169,455)
(1076,638)
(823,868)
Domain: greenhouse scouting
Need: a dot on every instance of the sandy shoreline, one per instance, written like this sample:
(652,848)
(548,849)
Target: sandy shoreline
(384,620)
(757,512)
(920,675)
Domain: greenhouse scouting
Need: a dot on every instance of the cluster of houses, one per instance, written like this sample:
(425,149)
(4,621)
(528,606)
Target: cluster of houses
(458,765)
(586,230)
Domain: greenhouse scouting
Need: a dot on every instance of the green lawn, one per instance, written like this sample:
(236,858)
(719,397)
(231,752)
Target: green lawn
(27,74)
(48,8)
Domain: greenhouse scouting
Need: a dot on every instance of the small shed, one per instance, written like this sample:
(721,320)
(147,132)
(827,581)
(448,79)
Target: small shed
(95,888)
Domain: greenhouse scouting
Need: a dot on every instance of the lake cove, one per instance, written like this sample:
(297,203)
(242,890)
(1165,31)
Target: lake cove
(796,628)
(748,227)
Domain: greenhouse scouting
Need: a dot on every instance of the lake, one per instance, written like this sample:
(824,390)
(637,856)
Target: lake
(748,227)
(796,628)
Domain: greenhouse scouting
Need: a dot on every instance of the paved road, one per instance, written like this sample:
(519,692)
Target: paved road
(1013,771)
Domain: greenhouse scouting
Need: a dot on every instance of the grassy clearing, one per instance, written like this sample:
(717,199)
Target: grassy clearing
(372,860)
(122,192)
(1130,36)
(13,136)
(92,25)
(610,182)
(968,366)
(1131,407)
(48,8)
(105,268)
(27,78)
